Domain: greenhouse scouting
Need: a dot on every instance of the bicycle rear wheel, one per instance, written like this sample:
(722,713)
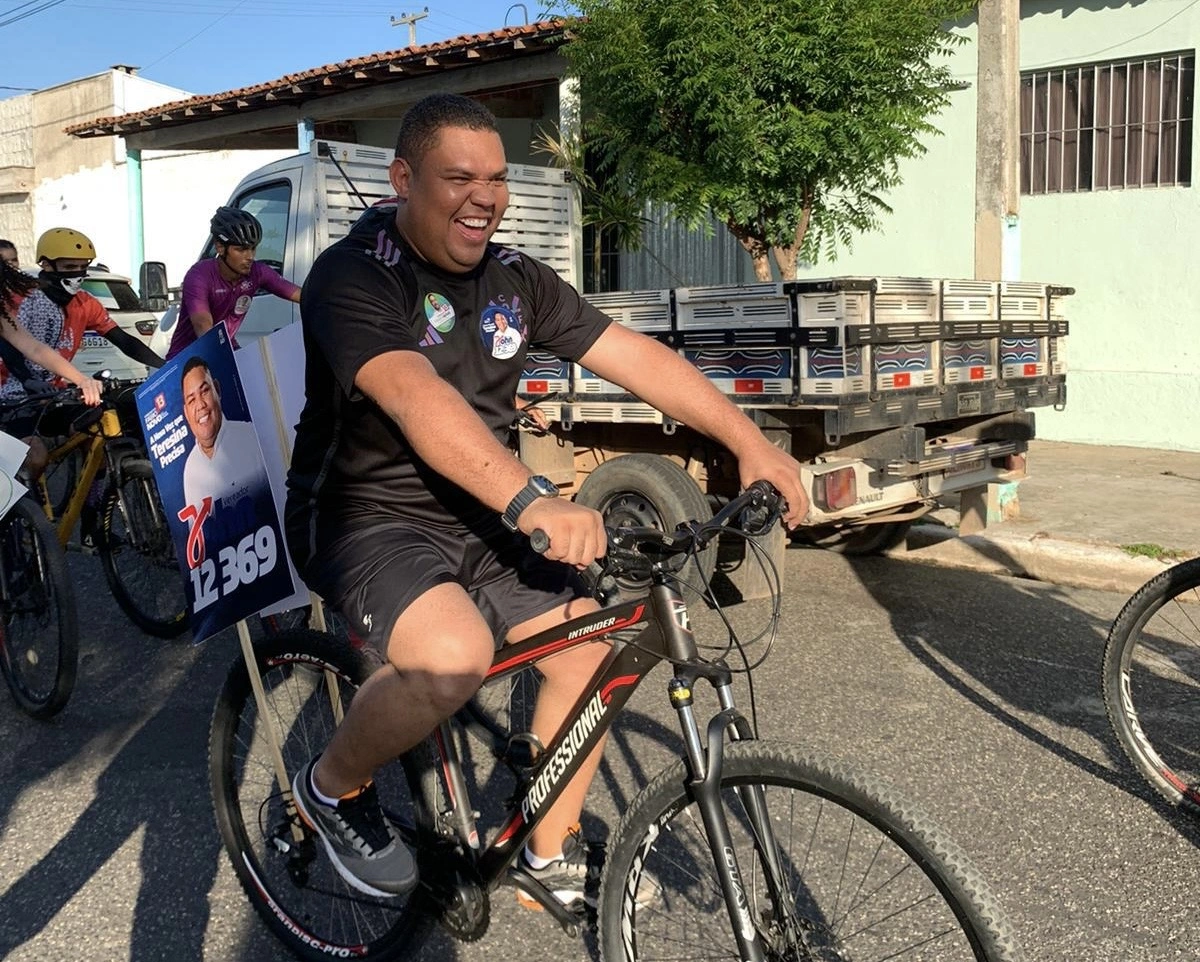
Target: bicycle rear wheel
(1151,681)
(138,554)
(39,629)
(281,865)
(864,876)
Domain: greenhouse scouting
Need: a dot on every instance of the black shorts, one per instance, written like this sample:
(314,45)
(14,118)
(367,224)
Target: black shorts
(371,571)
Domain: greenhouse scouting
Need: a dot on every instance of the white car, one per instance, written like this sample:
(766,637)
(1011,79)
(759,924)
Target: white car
(118,297)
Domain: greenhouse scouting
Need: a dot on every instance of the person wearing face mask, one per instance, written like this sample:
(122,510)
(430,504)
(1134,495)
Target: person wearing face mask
(19,343)
(59,311)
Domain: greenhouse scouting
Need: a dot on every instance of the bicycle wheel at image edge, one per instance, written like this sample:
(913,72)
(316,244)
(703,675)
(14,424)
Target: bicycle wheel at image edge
(39,627)
(1151,680)
(865,876)
(138,556)
(281,865)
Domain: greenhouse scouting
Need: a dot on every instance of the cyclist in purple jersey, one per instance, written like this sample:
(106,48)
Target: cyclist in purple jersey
(222,289)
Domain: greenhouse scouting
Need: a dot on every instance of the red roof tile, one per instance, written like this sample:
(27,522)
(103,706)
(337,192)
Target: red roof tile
(503,44)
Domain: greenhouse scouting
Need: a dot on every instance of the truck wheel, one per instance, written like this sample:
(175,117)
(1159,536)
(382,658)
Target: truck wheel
(867,539)
(649,490)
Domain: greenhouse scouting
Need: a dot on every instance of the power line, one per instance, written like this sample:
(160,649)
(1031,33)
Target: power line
(196,34)
(29,13)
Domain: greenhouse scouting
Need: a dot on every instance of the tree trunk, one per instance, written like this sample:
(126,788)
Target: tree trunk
(755,247)
(786,257)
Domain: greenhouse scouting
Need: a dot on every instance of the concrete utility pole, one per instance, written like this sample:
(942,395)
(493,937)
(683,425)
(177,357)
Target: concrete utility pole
(410,19)
(998,142)
(997,198)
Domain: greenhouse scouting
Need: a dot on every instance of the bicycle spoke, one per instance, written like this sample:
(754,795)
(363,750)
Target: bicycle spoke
(847,888)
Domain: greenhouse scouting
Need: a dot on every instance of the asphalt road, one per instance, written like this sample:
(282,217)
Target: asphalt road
(977,696)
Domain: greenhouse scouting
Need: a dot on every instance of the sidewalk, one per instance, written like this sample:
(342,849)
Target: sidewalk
(1076,509)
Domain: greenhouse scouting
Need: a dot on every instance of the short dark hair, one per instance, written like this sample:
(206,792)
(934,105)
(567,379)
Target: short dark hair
(425,119)
(7,245)
(191,365)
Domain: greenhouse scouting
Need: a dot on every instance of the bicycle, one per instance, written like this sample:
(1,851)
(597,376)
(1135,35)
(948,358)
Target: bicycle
(702,858)
(133,541)
(1151,683)
(39,627)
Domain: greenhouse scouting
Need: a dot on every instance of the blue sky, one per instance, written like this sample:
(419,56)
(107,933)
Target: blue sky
(206,46)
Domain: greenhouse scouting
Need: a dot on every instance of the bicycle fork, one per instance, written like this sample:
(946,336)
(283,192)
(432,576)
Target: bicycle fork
(706,766)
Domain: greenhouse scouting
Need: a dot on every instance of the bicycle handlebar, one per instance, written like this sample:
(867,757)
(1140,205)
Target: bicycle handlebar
(638,550)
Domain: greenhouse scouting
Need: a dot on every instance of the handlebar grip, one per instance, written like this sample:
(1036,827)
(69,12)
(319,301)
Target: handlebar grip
(539,540)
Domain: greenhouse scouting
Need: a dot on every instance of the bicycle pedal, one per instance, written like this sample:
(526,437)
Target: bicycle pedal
(533,895)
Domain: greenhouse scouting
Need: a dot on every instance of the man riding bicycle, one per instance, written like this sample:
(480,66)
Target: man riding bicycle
(222,288)
(406,509)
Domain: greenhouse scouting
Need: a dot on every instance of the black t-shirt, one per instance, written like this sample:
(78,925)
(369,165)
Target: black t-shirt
(369,294)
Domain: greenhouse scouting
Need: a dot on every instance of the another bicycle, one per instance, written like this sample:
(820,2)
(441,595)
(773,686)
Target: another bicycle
(743,849)
(39,627)
(133,541)
(1151,681)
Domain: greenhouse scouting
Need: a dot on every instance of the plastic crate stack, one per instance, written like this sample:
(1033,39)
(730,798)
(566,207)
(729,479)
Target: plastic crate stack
(830,341)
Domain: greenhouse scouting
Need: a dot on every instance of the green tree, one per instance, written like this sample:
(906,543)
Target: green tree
(784,119)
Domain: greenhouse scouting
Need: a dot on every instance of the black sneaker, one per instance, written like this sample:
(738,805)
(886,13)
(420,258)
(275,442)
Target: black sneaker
(360,841)
(570,879)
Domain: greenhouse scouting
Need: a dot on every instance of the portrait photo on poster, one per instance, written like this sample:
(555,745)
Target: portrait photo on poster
(214,485)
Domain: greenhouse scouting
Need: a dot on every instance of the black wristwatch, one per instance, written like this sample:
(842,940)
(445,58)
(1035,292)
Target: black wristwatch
(537,487)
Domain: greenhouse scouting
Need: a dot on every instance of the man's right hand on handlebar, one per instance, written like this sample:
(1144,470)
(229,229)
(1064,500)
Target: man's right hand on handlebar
(89,390)
(576,533)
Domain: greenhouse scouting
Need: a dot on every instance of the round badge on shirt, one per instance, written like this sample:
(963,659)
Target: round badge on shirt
(440,313)
(243,304)
(501,332)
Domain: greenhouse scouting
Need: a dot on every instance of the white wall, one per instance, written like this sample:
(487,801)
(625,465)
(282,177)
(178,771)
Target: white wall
(180,191)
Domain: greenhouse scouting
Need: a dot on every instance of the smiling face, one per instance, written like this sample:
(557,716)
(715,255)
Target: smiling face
(453,198)
(202,407)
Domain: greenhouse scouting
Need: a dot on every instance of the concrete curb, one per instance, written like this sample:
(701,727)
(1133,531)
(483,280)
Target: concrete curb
(1077,564)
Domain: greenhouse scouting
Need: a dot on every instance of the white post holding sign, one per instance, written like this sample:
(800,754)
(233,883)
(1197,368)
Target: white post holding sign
(215,486)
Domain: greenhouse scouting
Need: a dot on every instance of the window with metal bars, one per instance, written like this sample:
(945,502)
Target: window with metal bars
(1108,126)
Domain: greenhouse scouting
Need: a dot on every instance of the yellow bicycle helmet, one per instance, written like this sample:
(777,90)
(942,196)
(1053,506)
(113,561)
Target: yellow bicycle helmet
(64,242)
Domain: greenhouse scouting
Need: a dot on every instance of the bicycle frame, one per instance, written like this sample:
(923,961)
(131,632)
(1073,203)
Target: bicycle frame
(666,635)
(95,438)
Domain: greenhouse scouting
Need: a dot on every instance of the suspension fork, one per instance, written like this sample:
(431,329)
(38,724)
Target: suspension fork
(705,788)
(754,800)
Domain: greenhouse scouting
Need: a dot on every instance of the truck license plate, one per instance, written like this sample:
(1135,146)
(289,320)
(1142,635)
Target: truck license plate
(970,403)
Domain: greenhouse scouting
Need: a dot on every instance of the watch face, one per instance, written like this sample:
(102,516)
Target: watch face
(544,486)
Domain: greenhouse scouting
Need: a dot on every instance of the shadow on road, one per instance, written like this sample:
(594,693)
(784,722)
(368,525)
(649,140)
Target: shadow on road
(1018,653)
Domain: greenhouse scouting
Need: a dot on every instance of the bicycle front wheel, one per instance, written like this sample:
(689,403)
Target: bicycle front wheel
(139,556)
(308,679)
(39,628)
(1152,682)
(861,875)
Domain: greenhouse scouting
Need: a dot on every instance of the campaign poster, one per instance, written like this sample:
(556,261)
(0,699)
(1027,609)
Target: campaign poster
(214,485)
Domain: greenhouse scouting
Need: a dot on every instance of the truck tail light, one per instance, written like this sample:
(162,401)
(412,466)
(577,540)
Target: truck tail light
(836,489)
(146,328)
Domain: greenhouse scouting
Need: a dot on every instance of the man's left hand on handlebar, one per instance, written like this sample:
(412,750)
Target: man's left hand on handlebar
(765,462)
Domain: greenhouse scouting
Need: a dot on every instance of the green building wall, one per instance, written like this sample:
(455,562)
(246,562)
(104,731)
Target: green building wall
(1134,349)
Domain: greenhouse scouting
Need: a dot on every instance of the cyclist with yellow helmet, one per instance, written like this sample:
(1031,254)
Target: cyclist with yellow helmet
(57,312)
